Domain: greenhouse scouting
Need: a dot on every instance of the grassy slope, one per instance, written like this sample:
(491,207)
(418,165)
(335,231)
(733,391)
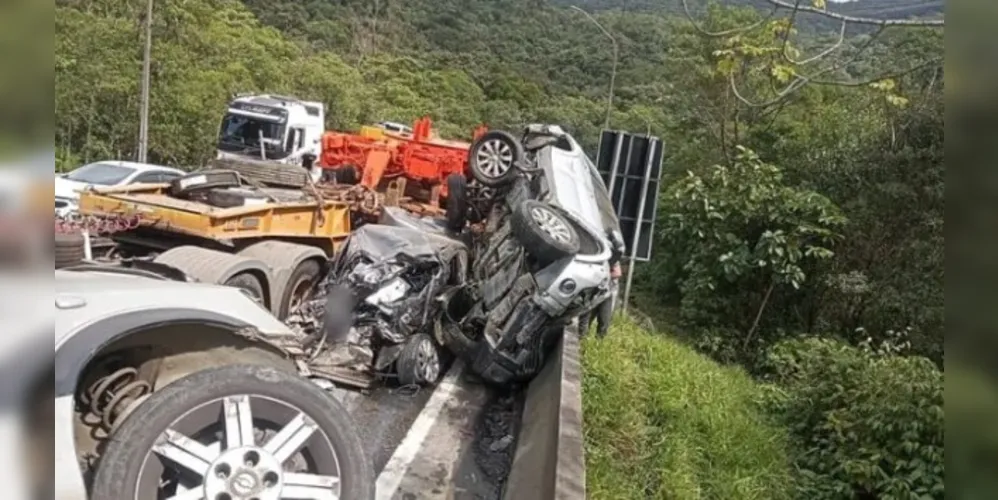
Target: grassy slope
(662,421)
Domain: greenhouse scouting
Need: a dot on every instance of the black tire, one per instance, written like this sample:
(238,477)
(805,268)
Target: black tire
(539,242)
(250,284)
(497,151)
(68,249)
(419,363)
(129,448)
(457,202)
(348,175)
(201,181)
(224,199)
(337,318)
(301,281)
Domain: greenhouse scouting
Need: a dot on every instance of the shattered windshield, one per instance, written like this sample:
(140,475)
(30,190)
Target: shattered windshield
(242,134)
(101,174)
(603,201)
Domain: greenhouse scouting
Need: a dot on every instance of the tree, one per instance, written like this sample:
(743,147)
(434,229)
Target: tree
(738,234)
(764,66)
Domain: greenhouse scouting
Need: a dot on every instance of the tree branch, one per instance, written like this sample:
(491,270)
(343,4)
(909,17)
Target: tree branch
(856,20)
(801,80)
(758,315)
(885,76)
(702,31)
(833,48)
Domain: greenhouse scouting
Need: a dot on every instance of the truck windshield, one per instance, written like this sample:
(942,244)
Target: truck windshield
(241,134)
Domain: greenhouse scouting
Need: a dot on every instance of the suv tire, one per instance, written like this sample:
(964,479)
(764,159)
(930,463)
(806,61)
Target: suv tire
(493,158)
(184,407)
(544,232)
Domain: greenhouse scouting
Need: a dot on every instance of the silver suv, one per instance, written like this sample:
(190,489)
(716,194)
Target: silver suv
(544,257)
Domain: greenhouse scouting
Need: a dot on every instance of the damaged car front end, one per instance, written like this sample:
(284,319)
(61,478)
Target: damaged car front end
(375,311)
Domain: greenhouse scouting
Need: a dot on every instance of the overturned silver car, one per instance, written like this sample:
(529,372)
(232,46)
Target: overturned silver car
(543,258)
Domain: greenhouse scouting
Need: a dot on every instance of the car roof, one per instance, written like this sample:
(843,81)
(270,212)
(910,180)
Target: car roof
(139,167)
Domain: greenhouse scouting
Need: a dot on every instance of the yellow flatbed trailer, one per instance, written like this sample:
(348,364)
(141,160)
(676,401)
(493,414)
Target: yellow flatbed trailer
(292,216)
(274,247)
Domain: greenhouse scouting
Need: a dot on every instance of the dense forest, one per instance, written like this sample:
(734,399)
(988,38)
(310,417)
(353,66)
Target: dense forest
(800,230)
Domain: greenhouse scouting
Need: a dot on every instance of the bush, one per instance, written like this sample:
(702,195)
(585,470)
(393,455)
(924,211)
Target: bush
(865,425)
(662,421)
(742,243)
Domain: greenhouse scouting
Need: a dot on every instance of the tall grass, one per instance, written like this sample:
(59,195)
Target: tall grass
(663,422)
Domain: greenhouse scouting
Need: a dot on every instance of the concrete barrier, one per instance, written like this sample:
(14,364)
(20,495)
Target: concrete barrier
(549,463)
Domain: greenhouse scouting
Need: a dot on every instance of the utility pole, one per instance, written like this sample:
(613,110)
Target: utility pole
(144,104)
(613,72)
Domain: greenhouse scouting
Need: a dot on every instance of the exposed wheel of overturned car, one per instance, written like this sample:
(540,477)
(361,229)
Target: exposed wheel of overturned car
(419,362)
(493,157)
(544,231)
(236,432)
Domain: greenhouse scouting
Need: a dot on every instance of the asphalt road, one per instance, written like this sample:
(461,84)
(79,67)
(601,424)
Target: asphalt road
(436,443)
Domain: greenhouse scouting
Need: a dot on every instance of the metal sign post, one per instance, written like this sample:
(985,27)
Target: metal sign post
(637,226)
(632,185)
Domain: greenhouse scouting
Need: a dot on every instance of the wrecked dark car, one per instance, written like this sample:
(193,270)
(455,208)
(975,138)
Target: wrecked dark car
(543,258)
(375,312)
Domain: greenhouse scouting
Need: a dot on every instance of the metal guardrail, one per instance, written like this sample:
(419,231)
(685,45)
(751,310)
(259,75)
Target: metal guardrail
(550,463)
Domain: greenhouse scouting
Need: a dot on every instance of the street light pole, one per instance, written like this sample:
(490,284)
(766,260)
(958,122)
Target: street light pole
(144,98)
(613,72)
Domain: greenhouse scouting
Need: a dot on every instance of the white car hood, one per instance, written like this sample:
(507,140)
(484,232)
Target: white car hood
(65,188)
(573,187)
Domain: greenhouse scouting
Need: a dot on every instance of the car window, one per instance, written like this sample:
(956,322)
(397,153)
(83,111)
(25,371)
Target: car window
(102,174)
(603,200)
(151,177)
(168,176)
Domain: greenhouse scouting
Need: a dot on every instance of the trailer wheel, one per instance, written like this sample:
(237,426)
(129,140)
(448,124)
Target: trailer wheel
(212,266)
(457,202)
(68,249)
(249,284)
(299,286)
(492,158)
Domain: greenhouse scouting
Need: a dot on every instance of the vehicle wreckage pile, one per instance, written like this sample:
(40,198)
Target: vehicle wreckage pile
(379,300)
(406,294)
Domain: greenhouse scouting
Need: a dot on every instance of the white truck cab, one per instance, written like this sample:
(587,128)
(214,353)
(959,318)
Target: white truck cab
(271,127)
